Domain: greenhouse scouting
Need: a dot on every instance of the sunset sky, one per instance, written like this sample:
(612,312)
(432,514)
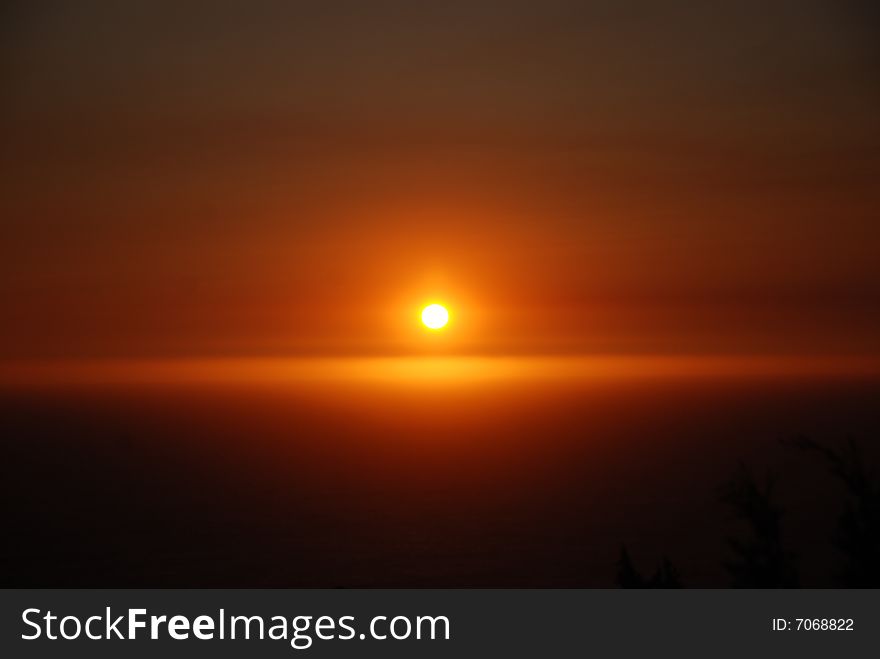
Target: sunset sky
(198,179)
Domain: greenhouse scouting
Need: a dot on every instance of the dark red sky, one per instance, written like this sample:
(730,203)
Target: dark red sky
(297,177)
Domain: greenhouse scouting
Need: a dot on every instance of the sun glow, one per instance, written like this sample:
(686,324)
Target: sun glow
(435,316)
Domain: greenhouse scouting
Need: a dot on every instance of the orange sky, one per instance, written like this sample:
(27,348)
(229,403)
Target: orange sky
(568,177)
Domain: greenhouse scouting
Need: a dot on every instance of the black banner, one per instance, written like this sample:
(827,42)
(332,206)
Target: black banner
(406,623)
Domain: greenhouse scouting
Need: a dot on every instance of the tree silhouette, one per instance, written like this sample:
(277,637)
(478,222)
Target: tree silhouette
(759,558)
(759,561)
(665,576)
(857,535)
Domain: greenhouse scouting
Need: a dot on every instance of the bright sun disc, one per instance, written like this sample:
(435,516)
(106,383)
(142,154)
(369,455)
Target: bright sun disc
(435,316)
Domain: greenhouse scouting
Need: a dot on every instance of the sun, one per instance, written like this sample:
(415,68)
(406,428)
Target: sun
(435,316)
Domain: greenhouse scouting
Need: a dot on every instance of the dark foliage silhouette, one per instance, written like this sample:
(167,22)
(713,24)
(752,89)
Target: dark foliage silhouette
(665,576)
(759,560)
(857,535)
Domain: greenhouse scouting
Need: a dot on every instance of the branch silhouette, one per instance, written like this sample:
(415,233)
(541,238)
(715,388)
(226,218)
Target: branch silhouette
(857,535)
